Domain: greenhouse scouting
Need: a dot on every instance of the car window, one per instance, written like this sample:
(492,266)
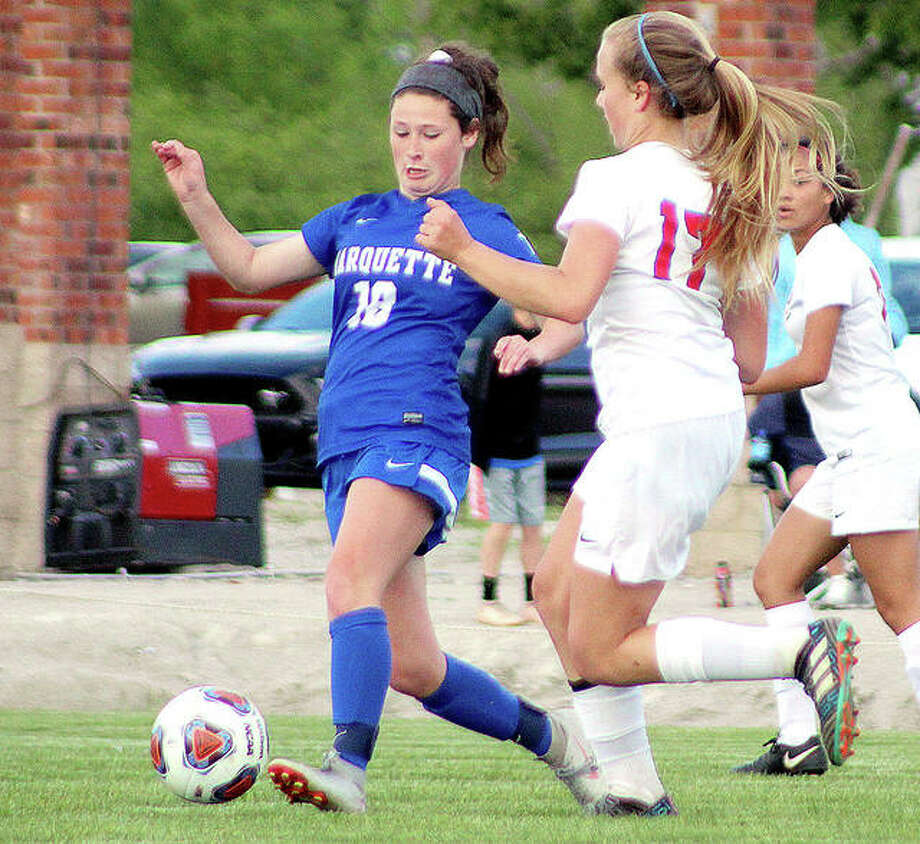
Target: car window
(905,285)
(141,250)
(171,267)
(310,310)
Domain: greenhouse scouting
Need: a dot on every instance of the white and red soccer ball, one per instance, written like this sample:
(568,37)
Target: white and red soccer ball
(209,744)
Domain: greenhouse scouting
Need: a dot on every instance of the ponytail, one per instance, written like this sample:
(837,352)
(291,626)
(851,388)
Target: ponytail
(482,74)
(752,133)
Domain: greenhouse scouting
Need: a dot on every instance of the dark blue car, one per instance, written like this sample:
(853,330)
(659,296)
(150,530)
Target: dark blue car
(276,364)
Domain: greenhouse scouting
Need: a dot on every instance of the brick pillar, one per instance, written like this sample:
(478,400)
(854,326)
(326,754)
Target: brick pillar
(772,41)
(64,214)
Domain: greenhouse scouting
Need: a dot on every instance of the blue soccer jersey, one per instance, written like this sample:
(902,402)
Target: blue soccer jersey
(400,319)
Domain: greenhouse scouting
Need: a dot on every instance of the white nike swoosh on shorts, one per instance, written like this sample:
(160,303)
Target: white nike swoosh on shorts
(392,464)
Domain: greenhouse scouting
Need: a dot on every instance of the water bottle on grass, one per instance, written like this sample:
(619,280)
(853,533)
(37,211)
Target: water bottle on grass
(723,584)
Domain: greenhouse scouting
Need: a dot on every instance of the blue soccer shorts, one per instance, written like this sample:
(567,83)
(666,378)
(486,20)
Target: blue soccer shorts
(431,472)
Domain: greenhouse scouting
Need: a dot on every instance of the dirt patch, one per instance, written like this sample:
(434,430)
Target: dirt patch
(130,642)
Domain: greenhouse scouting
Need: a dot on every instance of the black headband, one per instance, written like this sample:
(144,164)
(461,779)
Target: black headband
(444,80)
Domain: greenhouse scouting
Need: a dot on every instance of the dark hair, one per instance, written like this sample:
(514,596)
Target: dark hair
(848,200)
(481,72)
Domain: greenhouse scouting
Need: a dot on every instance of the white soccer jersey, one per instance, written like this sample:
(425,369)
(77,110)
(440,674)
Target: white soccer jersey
(658,350)
(864,403)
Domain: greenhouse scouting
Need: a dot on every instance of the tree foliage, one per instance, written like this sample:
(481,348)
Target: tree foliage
(883,37)
(871,64)
(564,33)
(890,29)
(288,101)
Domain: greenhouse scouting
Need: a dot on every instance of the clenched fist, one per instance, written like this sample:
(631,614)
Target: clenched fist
(442,231)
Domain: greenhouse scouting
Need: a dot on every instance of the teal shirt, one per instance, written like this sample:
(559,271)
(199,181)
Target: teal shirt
(779,344)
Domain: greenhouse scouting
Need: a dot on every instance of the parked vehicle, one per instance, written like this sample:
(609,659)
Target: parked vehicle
(275,365)
(140,250)
(157,295)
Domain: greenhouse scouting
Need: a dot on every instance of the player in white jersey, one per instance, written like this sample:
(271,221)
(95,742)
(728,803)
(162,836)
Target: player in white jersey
(867,491)
(668,257)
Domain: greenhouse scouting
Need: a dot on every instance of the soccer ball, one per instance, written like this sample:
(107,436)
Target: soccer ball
(209,745)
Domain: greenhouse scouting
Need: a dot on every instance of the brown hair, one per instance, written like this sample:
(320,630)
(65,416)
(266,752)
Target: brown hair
(481,72)
(753,129)
(847,197)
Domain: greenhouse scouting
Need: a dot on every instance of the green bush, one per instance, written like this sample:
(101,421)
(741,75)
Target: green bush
(288,101)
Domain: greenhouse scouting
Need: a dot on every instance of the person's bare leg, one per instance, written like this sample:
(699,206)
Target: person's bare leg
(799,546)
(531,552)
(551,584)
(492,610)
(889,562)
(492,550)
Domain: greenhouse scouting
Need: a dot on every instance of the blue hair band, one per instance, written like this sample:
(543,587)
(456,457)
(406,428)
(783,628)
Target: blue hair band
(654,67)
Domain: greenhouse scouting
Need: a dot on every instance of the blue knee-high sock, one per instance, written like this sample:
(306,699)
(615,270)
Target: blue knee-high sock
(471,698)
(361,659)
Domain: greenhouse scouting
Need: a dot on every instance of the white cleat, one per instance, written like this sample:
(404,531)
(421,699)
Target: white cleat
(338,786)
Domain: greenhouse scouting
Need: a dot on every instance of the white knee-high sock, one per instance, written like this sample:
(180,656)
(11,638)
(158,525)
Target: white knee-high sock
(690,649)
(613,720)
(797,716)
(909,640)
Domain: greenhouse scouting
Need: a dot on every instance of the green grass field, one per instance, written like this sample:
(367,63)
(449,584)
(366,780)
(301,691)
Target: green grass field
(87,777)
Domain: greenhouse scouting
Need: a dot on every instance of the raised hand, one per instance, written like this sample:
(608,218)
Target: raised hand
(183,167)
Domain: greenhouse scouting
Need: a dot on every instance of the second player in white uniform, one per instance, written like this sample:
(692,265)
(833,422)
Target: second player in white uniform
(663,276)
(867,491)
(862,413)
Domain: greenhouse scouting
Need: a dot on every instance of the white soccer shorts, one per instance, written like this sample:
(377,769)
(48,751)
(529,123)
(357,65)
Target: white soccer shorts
(645,492)
(862,493)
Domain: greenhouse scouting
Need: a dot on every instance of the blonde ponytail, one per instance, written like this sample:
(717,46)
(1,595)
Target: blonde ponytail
(752,131)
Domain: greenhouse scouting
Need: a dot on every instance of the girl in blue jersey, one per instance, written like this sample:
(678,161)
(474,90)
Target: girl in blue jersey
(393,436)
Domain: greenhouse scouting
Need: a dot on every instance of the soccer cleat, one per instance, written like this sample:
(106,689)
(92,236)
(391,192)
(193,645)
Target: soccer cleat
(841,592)
(862,594)
(833,594)
(338,786)
(573,762)
(497,614)
(787,759)
(618,806)
(816,586)
(824,666)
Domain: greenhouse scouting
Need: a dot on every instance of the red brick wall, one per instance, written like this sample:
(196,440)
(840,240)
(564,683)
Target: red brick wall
(772,41)
(65,77)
